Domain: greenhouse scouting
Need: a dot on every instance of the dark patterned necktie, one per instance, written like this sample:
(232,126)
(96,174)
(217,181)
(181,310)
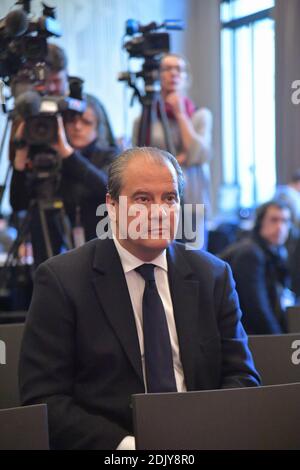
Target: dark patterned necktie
(157,345)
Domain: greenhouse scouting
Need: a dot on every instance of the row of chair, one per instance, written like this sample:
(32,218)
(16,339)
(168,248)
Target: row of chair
(277,359)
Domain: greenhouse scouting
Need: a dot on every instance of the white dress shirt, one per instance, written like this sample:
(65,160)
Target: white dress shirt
(136,286)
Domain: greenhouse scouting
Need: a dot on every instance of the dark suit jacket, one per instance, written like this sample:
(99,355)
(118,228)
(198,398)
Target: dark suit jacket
(80,352)
(260,275)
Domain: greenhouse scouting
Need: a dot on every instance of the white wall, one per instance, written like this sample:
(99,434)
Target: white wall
(92,37)
(202,44)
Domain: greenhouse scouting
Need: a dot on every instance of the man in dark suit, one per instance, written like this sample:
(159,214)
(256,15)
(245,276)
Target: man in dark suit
(260,269)
(90,342)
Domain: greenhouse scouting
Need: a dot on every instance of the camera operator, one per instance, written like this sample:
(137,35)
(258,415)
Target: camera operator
(57,84)
(83,178)
(57,77)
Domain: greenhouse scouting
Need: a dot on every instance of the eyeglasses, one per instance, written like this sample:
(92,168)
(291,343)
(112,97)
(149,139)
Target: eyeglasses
(169,68)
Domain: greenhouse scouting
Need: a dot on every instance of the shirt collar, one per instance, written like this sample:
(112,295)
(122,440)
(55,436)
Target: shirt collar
(131,262)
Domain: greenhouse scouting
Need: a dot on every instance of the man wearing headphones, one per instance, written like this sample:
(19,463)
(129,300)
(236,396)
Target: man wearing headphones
(259,265)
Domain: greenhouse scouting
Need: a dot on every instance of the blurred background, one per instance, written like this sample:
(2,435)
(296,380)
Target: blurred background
(245,66)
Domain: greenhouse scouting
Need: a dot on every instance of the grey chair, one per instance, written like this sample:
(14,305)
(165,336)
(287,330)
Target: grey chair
(277,358)
(293,319)
(249,418)
(24,428)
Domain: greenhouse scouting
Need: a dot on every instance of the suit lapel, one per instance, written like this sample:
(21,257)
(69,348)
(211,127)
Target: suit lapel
(112,292)
(185,294)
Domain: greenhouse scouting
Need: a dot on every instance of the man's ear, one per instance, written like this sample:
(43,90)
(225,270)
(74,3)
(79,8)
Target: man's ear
(108,199)
(111,207)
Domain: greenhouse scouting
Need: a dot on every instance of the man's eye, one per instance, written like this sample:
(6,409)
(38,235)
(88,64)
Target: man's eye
(142,199)
(171,198)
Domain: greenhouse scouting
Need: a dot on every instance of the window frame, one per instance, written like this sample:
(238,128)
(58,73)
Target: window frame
(233,26)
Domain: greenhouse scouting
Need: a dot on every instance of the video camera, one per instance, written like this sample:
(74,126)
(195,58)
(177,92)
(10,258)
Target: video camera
(23,43)
(24,68)
(40,112)
(149,45)
(41,127)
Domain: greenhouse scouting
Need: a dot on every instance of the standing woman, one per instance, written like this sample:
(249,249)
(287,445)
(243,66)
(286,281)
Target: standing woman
(190,129)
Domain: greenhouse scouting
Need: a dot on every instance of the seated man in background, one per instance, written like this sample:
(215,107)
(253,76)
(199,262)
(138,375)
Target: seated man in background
(130,314)
(57,83)
(290,195)
(260,270)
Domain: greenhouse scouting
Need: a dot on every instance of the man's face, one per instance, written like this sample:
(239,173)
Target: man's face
(148,208)
(57,83)
(297,186)
(275,225)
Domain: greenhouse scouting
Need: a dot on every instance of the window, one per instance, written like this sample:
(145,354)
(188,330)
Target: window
(235,9)
(248,99)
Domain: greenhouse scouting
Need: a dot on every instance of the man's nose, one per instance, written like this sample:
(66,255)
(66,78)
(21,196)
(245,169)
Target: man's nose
(282,224)
(159,210)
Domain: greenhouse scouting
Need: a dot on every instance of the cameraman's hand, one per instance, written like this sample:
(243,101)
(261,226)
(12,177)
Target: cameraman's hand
(21,155)
(62,147)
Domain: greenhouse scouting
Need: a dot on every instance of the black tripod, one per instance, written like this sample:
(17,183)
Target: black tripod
(43,208)
(16,277)
(153,106)
(2,145)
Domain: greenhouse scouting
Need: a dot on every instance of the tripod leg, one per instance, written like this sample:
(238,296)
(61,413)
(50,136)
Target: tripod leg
(13,251)
(144,135)
(66,228)
(153,108)
(45,230)
(166,128)
(4,135)
(3,141)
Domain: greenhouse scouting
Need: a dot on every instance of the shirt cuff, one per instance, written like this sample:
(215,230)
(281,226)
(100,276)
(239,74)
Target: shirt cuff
(128,443)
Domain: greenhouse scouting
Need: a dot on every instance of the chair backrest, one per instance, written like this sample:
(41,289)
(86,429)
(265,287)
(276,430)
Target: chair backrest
(293,319)
(24,428)
(263,418)
(10,344)
(276,357)
(12,317)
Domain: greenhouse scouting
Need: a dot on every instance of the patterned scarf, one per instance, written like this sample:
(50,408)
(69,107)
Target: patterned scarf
(190,108)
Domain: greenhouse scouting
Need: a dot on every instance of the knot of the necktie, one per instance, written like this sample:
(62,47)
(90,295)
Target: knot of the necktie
(146,271)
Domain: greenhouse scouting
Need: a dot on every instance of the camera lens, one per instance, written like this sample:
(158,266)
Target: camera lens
(41,130)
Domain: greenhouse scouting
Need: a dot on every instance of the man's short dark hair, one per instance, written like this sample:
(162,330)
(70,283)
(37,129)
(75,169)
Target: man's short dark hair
(262,210)
(56,58)
(296,176)
(116,170)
